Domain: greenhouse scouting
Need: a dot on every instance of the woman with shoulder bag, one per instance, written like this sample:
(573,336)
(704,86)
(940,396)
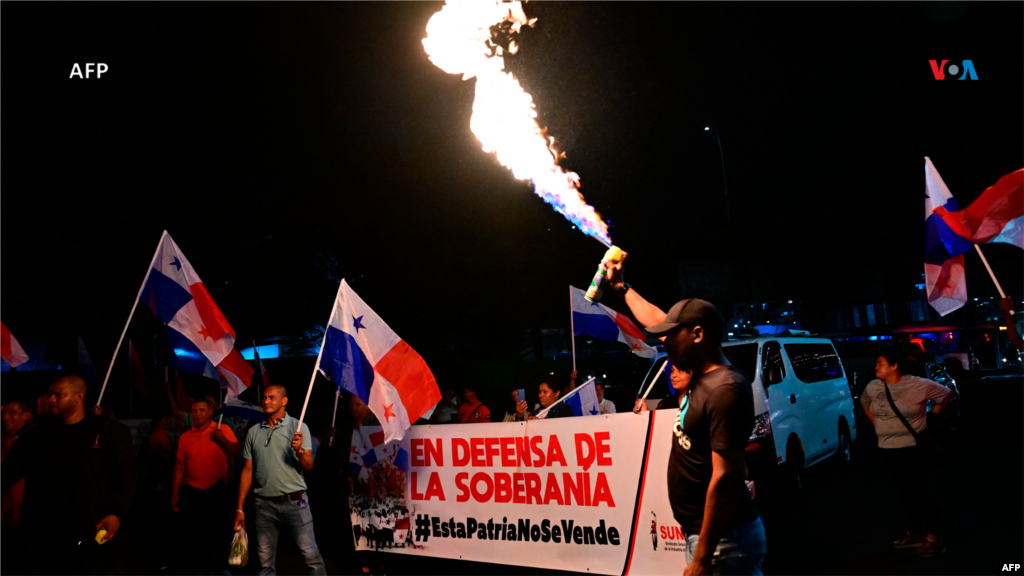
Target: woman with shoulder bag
(896,404)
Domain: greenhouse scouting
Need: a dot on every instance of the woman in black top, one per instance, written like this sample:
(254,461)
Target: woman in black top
(548,395)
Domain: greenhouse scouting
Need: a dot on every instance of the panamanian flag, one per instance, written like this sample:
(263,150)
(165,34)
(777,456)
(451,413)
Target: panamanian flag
(944,249)
(236,376)
(601,322)
(363,356)
(10,350)
(173,291)
(996,216)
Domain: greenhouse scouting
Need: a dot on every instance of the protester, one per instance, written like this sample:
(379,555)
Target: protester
(680,381)
(472,410)
(443,413)
(1012,329)
(159,448)
(902,455)
(571,385)
(274,468)
(43,415)
(199,490)
(724,532)
(510,407)
(548,395)
(607,406)
(17,419)
(79,479)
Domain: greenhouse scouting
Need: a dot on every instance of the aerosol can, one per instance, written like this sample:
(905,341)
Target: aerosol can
(596,289)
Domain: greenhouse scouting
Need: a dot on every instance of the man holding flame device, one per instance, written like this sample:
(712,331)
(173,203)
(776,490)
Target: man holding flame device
(724,532)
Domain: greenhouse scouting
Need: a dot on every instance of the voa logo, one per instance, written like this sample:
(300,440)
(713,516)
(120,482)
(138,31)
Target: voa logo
(953,70)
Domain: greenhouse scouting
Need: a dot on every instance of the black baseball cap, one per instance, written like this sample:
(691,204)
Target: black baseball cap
(691,312)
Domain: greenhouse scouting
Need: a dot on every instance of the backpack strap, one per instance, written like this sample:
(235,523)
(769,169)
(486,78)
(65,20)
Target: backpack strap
(899,415)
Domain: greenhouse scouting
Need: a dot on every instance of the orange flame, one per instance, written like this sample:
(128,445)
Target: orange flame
(504,117)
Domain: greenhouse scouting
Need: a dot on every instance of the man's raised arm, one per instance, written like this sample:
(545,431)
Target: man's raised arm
(646,314)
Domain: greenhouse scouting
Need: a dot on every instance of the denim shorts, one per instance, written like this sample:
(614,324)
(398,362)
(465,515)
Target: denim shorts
(740,551)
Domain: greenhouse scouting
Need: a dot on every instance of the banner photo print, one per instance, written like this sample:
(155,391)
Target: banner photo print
(557,494)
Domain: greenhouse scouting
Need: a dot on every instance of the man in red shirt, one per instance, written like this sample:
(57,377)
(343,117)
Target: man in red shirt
(199,490)
(472,410)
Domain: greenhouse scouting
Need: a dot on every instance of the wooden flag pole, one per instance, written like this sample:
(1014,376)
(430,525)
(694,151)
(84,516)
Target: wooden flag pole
(990,273)
(319,353)
(130,314)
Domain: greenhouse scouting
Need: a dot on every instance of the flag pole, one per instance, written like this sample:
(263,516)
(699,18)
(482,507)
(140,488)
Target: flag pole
(131,399)
(655,379)
(337,395)
(319,353)
(221,418)
(990,273)
(572,327)
(130,314)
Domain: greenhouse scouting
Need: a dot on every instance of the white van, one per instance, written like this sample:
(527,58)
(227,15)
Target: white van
(803,407)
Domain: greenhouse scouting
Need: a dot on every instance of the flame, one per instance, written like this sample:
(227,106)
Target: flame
(459,41)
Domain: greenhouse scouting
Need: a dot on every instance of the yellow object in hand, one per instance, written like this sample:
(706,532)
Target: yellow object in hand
(614,254)
(101,535)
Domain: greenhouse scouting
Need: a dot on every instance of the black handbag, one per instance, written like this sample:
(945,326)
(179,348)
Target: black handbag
(935,440)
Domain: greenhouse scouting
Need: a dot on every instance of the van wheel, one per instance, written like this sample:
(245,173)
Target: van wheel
(845,451)
(792,468)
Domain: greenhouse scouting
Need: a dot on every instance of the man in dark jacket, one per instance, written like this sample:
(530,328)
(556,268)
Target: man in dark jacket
(79,479)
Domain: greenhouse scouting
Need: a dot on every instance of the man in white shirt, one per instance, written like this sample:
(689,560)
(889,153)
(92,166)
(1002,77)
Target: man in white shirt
(607,406)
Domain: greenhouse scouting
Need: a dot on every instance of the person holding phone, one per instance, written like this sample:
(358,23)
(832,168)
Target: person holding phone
(518,395)
(548,394)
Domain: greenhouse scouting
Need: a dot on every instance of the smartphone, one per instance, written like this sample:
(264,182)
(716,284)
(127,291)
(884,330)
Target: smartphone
(520,395)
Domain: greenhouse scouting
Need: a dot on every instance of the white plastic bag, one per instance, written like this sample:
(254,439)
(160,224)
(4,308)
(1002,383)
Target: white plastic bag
(239,555)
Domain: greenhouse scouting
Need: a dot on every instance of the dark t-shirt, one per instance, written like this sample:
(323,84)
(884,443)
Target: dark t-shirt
(74,476)
(720,417)
(53,498)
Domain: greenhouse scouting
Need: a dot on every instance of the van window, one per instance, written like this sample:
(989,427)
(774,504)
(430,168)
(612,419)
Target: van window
(771,355)
(744,358)
(814,362)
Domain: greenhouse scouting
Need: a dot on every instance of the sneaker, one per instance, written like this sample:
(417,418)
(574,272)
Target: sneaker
(930,548)
(909,541)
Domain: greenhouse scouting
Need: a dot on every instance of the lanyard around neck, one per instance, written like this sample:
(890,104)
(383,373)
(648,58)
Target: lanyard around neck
(682,410)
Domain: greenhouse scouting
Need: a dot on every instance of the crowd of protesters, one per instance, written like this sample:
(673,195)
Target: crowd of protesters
(69,476)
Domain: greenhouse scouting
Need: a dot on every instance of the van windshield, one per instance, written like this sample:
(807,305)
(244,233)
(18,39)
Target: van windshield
(744,358)
(814,362)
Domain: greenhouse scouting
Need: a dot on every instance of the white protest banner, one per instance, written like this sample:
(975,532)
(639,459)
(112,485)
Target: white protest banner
(558,494)
(659,546)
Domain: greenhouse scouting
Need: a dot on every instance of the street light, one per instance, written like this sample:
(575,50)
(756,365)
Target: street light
(725,187)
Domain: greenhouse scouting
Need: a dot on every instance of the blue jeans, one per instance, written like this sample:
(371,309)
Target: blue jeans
(740,551)
(294,517)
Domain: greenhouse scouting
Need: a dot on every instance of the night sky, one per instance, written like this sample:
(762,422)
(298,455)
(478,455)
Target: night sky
(285,146)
